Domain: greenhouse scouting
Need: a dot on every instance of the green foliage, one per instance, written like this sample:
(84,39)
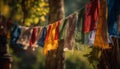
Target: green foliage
(28,12)
(77,60)
(73,5)
(27,59)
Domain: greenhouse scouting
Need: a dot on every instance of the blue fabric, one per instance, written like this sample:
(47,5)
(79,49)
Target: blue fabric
(112,17)
(42,38)
(15,35)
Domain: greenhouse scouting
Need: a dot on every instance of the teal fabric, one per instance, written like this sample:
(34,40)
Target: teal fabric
(15,34)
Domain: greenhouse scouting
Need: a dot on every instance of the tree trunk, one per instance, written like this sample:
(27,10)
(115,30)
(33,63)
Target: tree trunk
(5,58)
(55,58)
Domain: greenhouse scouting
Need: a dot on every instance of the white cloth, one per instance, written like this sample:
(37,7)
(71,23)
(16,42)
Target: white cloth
(91,38)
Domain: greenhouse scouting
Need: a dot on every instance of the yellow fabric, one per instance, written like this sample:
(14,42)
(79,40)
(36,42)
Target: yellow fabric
(101,37)
(51,43)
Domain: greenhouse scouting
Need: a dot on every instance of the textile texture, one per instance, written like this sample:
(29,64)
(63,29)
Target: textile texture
(91,16)
(101,37)
(42,38)
(70,34)
(25,36)
(51,40)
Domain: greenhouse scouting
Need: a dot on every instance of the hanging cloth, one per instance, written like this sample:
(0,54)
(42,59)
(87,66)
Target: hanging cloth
(33,36)
(79,33)
(51,40)
(70,34)
(25,36)
(113,8)
(91,16)
(91,37)
(15,35)
(101,37)
(63,29)
(42,38)
(36,34)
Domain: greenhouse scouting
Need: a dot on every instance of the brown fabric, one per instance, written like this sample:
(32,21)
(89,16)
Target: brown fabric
(101,37)
(70,36)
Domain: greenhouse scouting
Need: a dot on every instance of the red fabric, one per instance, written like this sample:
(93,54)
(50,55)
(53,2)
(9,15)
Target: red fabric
(48,32)
(9,24)
(33,37)
(91,16)
(57,31)
(51,40)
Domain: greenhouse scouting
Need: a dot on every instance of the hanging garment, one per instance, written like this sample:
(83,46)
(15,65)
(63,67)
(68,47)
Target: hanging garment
(79,34)
(42,38)
(25,36)
(113,6)
(33,36)
(70,34)
(101,37)
(91,37)
(36,34)
(51,40)
(63,29)
(91,16)
(15,35)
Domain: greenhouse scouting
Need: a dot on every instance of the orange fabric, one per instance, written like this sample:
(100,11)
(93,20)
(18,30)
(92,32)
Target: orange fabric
(51,40)
(101,37)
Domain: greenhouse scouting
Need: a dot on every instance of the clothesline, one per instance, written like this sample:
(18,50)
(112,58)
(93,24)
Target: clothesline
(68,28)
